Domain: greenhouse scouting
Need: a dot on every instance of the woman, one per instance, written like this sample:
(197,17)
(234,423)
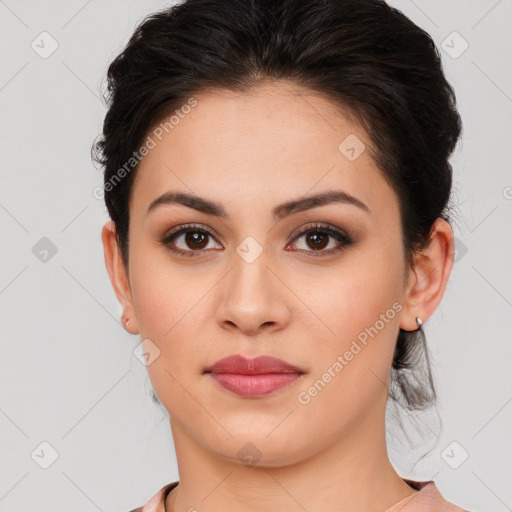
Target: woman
(277,175)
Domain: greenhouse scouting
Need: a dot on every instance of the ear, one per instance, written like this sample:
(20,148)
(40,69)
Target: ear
(118,275)
(427,280)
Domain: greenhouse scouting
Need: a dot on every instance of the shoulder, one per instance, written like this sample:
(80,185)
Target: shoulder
(157,502)
(427,498)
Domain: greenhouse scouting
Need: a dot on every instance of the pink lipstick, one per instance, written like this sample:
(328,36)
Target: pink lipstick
(254,377)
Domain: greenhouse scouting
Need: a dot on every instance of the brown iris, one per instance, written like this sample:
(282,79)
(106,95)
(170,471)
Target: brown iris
(196,239)
(319,240)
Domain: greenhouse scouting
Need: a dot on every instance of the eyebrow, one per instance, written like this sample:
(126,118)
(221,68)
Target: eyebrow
(279,212)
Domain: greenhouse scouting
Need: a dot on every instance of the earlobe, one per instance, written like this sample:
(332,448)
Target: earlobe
(130,326)
(118,276)
(429,277)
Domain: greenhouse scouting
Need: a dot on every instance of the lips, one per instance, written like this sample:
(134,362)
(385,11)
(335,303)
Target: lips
(257,366)
(252,378)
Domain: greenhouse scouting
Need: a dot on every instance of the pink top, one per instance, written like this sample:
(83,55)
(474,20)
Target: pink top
(427,498)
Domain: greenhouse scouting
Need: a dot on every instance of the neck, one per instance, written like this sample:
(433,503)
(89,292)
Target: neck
(354,474)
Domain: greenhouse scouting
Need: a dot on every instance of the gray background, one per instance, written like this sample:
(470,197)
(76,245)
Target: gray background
(68,376)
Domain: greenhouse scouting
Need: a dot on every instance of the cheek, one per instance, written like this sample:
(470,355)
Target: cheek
(359,308)
(353,357)
(169,309)
(172,304)
(165,294)
(355,296)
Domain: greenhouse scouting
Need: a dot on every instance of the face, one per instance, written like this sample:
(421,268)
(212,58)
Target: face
(328,301)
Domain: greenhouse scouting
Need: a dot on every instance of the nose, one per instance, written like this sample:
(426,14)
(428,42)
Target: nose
(254,298)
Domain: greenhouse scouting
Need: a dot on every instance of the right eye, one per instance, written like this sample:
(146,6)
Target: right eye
(193,240)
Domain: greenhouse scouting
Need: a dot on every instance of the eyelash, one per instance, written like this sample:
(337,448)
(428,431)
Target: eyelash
(339,236)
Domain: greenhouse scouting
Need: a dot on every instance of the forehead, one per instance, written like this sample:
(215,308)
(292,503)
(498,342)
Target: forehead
(274,142)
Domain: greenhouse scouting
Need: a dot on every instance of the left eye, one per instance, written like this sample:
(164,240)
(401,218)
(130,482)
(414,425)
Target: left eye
(317,238)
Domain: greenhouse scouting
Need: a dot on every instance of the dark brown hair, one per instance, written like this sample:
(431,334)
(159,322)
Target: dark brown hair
(363,55)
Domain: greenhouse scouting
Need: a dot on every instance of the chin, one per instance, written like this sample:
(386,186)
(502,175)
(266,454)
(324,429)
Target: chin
(276,450)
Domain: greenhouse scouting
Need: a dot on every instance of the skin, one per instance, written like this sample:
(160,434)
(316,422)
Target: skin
(250,152)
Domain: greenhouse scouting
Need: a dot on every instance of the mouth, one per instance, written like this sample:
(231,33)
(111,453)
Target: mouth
(256,377)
